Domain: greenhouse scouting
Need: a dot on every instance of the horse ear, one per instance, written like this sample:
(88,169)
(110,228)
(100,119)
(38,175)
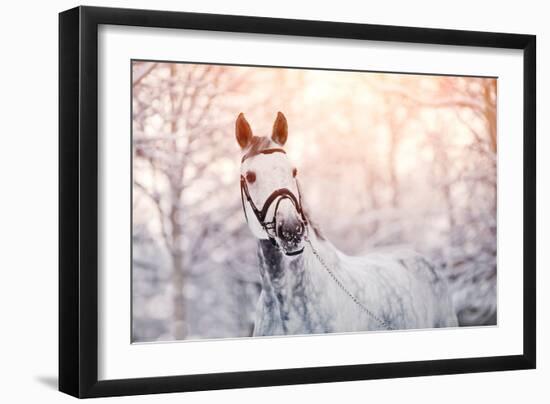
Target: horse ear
(280,129)
(243,131)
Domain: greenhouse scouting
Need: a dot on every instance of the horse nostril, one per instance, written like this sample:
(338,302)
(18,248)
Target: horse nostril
(282,230)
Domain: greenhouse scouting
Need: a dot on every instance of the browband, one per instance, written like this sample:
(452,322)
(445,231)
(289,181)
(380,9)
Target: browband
(265,151)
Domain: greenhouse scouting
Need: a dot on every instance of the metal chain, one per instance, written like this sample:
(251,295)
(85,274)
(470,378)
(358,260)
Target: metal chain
(345,290)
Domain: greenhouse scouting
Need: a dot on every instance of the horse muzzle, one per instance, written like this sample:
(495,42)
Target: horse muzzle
(290,229)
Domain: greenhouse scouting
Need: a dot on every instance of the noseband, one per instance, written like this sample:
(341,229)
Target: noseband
(275,197)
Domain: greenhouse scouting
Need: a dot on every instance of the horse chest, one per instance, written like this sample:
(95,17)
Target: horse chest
(312,307)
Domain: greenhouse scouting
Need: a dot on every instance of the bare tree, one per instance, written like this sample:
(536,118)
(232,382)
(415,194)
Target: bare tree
(179,101)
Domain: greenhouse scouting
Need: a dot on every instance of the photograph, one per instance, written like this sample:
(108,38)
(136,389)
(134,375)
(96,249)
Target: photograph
(276,202)
(270,201)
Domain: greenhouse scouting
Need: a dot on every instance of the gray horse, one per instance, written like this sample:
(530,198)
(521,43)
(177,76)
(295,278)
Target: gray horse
(309,286)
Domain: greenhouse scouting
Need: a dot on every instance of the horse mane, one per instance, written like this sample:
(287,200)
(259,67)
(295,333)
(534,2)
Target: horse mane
(313,224)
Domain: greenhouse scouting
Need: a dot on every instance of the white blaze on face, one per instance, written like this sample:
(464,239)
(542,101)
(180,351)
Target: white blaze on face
(272,172)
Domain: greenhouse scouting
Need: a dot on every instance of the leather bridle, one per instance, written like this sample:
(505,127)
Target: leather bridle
(275,197)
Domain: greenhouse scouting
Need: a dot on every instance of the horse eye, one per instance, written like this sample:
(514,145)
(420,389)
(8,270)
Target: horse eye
(294,172)
(250,177)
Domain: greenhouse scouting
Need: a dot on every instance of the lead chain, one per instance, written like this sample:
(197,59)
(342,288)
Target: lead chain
(346,291)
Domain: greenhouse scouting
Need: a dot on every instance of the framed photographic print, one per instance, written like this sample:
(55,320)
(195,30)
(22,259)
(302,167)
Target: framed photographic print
(251,201)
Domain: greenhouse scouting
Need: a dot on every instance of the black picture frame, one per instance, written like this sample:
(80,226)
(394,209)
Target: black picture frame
(78,200)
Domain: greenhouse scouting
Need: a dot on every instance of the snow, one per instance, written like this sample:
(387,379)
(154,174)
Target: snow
(384,161)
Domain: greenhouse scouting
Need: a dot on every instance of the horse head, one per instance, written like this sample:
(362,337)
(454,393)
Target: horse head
(269,188)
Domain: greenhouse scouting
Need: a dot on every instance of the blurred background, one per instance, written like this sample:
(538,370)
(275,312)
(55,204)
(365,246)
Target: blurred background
(384,160)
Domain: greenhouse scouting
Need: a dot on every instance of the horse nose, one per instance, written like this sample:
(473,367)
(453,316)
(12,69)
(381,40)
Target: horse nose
(290,230)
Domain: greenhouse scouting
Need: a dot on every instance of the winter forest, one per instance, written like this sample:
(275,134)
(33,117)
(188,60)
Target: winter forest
(384,160)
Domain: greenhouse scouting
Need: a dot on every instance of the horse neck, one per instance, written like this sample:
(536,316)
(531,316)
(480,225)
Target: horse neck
(294,285)
(278,270)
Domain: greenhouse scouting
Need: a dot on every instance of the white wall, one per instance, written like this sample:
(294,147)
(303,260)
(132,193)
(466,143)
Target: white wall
(28,202)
